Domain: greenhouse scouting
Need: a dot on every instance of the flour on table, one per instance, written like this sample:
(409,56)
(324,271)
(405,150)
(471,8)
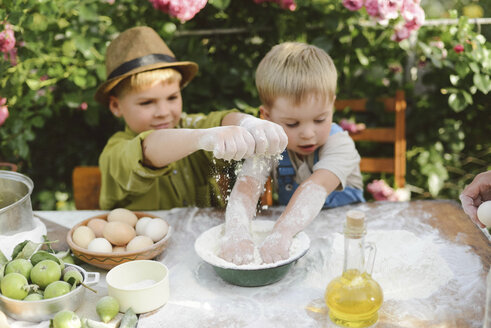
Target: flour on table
(406,267)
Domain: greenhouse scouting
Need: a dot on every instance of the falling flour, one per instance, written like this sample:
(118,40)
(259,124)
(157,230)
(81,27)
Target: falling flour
(406,266)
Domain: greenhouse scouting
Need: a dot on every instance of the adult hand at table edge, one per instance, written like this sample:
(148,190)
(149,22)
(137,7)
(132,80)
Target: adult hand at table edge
(473,195)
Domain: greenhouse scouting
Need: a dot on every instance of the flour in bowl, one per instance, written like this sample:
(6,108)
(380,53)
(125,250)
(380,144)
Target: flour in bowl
(207,246)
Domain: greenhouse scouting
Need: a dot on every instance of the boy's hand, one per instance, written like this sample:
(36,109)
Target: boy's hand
(238,249)
(228,142)
(270,137)
(275,247)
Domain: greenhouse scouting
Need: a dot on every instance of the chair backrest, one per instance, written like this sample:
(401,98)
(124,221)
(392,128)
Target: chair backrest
(86,183)
(395,135)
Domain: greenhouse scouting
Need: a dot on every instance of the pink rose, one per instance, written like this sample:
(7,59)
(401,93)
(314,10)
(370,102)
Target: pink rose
(400,33)
(4,113)
(380,190)
(458,48)
(351,126)
(413,14)
(353,5)
(83,106)
(7,39)
(372,7)
(389,9)
(184,10)
(285,4)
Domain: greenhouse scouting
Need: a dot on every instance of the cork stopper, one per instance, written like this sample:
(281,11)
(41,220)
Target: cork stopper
(355,220)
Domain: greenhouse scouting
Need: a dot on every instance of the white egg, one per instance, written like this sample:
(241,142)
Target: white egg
(484,213)
(141,224)
(139,243)
(100,245)
(156,229)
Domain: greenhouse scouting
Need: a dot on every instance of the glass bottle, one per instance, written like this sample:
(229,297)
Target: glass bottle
(354,298)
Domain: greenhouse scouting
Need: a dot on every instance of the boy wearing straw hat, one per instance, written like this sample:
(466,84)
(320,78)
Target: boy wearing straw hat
(165,158)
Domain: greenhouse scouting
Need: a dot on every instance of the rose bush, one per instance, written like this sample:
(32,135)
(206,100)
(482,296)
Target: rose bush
(52,60)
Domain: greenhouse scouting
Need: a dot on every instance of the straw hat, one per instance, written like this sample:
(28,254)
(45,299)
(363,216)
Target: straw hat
(136,50)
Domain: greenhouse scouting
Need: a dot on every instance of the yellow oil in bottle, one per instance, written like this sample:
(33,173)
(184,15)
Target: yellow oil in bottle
(354,299)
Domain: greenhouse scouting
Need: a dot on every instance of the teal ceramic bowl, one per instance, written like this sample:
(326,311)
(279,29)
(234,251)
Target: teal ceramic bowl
(254,274)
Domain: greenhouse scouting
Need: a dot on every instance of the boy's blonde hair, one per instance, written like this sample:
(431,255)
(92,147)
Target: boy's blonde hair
(140,81)
(295,70)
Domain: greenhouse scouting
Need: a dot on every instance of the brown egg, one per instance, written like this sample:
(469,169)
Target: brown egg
(122,215)
(82,236)
(97,225)
(139,243)
(117,249)
(118,233)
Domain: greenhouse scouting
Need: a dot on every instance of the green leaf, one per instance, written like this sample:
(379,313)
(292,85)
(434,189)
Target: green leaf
(62,23)
(474,67)
(37,121)
(33,84)
(220,4)
(361,57)
(467,97)
(435,184)
(482,82)
(68,48)
(457,102)
(454,79)
(462,69)
(39,22)
(25,250)
(79,81)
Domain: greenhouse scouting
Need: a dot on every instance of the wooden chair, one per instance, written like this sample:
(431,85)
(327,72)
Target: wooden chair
(395,135)
(86,183)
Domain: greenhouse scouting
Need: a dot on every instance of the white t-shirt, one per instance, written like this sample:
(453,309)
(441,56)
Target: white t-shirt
(338,155)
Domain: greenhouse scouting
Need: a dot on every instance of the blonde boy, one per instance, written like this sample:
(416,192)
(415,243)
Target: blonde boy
(165,158)
(320,168)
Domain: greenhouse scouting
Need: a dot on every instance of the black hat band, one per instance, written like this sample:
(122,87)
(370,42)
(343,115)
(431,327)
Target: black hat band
(139,62)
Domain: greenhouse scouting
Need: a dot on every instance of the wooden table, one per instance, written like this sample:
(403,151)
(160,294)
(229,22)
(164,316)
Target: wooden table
(199,297)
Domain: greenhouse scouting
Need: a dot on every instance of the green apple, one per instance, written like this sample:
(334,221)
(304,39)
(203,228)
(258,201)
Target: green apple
(45,272)
(56,288)
(21,266)
(14,285)
(66,319)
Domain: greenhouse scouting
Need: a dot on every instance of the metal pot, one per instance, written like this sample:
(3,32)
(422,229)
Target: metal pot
(15,203)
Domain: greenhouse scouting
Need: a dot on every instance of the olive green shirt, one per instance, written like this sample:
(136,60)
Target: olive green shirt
(190,181)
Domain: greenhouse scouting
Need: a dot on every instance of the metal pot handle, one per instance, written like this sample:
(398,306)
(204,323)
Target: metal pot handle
(95,278)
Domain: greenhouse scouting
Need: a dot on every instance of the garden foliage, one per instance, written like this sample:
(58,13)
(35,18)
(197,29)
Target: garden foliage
(49,121)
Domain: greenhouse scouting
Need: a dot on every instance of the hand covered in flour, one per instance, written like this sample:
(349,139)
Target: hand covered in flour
(275,247)
(228,142)
(475,194)
(270,137)
(237,247)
